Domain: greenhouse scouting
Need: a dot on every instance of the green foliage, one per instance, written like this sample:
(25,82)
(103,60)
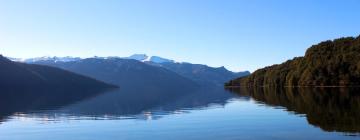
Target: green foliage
(329,63)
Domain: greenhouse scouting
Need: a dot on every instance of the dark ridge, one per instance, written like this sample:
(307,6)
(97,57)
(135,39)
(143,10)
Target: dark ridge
(14,75)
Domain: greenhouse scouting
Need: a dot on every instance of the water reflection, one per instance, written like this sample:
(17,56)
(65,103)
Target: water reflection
(20,101)
(125,103)
(206,113)
(331,109)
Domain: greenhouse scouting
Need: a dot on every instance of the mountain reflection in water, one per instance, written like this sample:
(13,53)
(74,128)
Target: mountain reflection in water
(124,103)
(203,113)
(18,101)
(331,109)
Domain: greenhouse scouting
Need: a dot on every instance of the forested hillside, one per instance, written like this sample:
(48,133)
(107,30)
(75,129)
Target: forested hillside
(329,63)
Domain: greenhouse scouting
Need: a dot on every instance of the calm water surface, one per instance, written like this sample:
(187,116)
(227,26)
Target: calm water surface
(207,113)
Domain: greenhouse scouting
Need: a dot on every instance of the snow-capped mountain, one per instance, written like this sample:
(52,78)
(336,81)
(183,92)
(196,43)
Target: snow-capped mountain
(157,59)
(146,58)
(199,73)
(15,59)
(45,58)
(139,57)
(33,77)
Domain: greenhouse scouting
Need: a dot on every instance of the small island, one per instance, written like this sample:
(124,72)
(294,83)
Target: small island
(328,64)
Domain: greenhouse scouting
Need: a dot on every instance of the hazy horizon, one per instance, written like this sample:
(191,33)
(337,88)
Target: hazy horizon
(240,35)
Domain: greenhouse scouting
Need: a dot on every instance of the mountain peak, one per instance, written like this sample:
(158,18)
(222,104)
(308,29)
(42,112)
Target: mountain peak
(45,58)
(157,59)
(146,58)
(139,57)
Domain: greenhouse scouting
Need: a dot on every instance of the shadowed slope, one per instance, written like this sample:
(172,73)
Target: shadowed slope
(20,75)
(127,73)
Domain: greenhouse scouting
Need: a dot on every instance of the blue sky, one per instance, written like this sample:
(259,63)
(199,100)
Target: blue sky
(237,34)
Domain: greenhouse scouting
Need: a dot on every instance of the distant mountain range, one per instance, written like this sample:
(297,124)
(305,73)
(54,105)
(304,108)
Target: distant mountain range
(21,76)
(202,74)
(150,70)
(127,73)
(45,58)
(139,57)
(329,63)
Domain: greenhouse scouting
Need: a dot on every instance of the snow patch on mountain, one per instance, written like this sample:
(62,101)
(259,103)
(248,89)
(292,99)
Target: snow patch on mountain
(146,58)
(157,59)
(45,58)
(139,57)
(16,59)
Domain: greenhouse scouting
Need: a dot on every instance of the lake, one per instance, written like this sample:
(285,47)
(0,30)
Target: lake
(205,113)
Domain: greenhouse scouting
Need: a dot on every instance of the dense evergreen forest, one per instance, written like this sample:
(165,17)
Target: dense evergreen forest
(329,63)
